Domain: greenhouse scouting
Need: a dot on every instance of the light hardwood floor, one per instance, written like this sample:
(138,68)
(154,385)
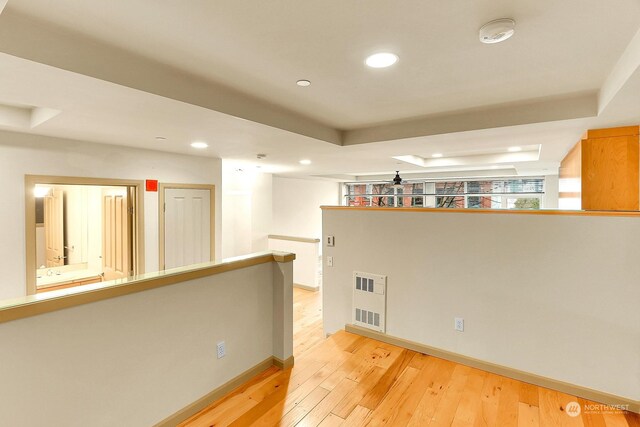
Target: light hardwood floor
(348,380)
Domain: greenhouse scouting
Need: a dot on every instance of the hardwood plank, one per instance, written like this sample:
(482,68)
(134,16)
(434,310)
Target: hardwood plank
(632,419)
(373,398)
(270,401)
(323,408)
(358,416)
(529,394)
(509,403)
(294,416)
(564,400)
(448,405)
(424,412)
(293,399)
(553,411)
(209,414)
(490,397)
(398,401)
(229,411)
(528,415)
(361,357)
(402,410)
(590,419)
(370,361)
(351,380)
(471,400)
(350,402)
(332,420)
(615,420)
(289,379)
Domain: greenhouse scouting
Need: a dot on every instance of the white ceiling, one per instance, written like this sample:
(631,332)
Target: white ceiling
(263,47)
(561,50)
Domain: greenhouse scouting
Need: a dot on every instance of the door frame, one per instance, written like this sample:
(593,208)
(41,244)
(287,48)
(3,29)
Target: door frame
(30,217)
(161,208)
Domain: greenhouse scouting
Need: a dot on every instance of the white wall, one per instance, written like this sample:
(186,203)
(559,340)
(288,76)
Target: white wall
(305,267)
(551,295)
(22,154)
(136,359)
(296,205)
(246,210)
(551,196)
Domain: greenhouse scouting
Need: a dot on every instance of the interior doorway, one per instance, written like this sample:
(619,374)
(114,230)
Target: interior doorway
(186,224)
(81,231)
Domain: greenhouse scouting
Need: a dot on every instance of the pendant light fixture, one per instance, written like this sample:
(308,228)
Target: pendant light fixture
(397,181)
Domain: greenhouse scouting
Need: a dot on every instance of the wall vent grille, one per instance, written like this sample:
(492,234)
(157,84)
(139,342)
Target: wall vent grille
(369,300)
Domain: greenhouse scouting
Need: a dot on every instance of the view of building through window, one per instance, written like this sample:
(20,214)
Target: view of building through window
(525,193)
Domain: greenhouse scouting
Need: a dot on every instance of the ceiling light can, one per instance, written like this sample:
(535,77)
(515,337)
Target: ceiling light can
(303,83)
(199,145)
(381,60)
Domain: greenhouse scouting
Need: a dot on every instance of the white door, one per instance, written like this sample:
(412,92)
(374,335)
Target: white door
(187,227)
(54,227)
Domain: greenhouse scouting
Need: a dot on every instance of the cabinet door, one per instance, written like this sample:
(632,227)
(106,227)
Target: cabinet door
(610,179)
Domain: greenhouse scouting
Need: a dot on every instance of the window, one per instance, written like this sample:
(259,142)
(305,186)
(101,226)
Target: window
(525,193)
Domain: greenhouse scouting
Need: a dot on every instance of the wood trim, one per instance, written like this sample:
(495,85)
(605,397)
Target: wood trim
(283,364)
(30,217)
(612,132)
(216,394)
(283,256)
(33,305)
(31,265)
(306,287)
(293,238)
(212,213)
(489,211)
(572,389)
(69,284)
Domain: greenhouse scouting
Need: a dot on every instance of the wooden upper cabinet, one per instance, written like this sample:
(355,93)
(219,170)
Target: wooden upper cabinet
(609,169)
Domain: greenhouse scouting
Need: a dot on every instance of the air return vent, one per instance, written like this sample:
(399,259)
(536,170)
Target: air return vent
(369,300)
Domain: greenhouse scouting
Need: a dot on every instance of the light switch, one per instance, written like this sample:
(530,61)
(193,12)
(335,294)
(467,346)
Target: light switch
(329,261)
(331,241)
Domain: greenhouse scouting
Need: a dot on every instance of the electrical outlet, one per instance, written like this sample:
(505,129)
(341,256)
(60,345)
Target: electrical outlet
(331,241)
(329,261)
(222,351)
(459,324)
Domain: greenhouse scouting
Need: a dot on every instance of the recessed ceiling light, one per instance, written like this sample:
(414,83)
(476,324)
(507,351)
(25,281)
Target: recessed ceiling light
(303,83)
(514,149)
(381,60)
(436,155)
(305,162)
(199,144)
(497,31)
(160,138)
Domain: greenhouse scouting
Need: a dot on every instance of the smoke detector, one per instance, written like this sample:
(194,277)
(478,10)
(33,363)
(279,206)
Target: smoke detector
(497,31)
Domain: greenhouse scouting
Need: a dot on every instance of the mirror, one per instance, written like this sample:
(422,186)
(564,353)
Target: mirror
(75,225)
(62,224)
